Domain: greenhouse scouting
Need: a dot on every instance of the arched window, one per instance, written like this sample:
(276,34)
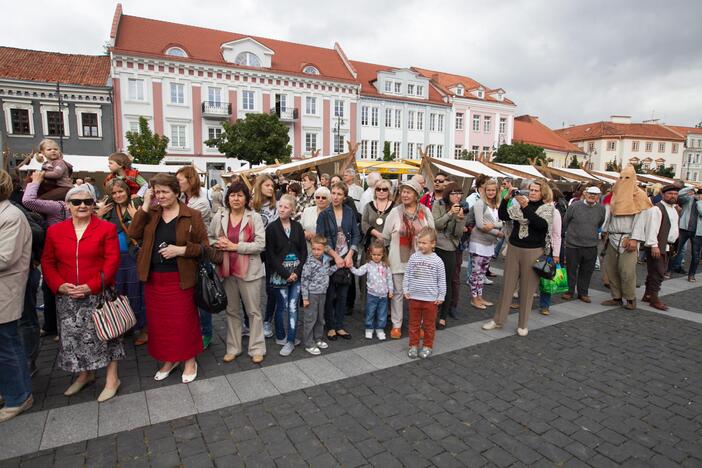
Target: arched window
(176,52)
(249,59)
(310,70)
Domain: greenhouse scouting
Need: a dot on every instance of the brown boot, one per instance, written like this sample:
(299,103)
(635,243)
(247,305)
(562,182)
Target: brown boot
(612,302)
(656,303)
(630,304)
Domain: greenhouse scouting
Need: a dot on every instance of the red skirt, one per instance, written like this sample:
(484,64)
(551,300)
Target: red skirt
(172,318)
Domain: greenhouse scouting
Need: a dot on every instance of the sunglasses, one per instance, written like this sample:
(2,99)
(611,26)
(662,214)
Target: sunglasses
(320,197)
(86,202)
(439,181)
(381,189)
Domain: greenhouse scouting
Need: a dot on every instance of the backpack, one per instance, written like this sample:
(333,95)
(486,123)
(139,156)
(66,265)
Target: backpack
(38,225)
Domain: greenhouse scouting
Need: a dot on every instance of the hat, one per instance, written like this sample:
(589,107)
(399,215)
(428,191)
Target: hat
(670,188)
(414,185)
(593,189)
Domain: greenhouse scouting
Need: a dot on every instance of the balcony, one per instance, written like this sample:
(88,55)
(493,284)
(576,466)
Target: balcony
(285,115)
(216,110)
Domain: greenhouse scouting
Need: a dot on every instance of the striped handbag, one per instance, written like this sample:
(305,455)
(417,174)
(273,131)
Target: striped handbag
(113,315)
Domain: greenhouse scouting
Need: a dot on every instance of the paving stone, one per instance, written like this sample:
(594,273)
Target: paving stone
(381,357)
(212,394)
(22,435)
(320,370)
(122,413)
(287,377)
(252,385)
(169,403)
(165,460)
(201,460)
(350,363)
(70,424)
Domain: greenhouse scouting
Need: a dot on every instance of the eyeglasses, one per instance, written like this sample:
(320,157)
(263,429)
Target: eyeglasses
(320,197)
(381,189)
(86,202)
(456,193)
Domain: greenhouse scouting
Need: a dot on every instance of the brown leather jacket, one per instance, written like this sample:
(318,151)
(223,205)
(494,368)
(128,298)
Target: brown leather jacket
(190,232)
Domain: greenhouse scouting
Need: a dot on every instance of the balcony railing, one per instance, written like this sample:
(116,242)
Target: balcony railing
(216,109)
(285,115)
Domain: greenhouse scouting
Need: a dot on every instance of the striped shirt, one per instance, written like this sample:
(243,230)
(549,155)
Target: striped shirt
(425,278)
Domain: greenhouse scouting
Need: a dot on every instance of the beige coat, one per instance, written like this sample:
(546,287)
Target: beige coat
(15,257)
(218,227)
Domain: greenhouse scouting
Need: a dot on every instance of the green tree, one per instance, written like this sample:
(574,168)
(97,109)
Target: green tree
(574,164)
(259,138)
(145,146)
(612,166)
(387,155)
(519,153)
(664,171)
(638,168)
(465,154)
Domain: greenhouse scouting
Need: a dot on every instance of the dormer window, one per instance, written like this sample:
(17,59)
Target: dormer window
(310,70)
(480,93)
(248,59)
(459,91)
(176,52)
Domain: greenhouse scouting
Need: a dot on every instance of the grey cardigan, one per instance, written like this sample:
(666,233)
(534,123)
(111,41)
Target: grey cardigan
(686,198)
(483,217)
(448,229)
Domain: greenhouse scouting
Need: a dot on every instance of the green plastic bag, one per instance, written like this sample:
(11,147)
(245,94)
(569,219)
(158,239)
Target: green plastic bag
(557,285)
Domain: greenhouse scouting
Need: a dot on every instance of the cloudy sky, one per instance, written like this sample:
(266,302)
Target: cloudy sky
(567,62)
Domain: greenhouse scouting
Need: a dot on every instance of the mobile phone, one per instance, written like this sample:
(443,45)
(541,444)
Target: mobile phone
(162,245)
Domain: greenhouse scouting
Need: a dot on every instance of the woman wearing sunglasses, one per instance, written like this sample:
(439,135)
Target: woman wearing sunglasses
(79,254)
(322,197)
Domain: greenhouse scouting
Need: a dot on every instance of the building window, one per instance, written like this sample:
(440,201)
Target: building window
(364,115)
(374,116)
(374,149)
(591,147)
(649,146)
(310,142)
(410,120)
(20,121)
(459,121)
(432,122)
(420,90)
(661,147)
(89,122)
(388,86)
(487,123)
(134,126)
(214,133)
(475,149)
(338,108)
(635,145)
(396,149)
(178,136)
(430,151)
(611,145)
(214,95)
(364,149)
(310,70)
(457,151)
(420,120)
(281,102)
(311,105)
(177,93)
(410,89)
(439,151)
(398,118)
(338,143)
(135,89)
(176,52)
(440,123)
(674,148)
(54,122)
(410,150)
(398,87)
(419,148)
(503,125)
(476,123)
(248,59)
(388,118)
(247,100)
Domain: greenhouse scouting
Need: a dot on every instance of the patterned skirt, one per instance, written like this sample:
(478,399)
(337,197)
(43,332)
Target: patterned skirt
(79,347)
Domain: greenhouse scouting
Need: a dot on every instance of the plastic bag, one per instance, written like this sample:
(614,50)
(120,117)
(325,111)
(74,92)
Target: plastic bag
(557,285)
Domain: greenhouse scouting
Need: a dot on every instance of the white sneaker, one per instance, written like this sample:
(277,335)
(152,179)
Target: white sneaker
(282,342)
(287,349)
(369,334)
(267,329)
(488,281)
(313,351)
(522,331)
(491,325)
(322,344)
(380,334)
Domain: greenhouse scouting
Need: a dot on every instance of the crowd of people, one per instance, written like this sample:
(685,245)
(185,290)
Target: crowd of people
(295,256)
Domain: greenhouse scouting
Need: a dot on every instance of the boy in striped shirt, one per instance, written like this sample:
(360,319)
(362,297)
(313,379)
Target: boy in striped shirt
(424,286)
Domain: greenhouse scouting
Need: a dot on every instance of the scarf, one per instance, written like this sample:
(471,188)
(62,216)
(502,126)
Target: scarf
(545,211)
(409,227)
(236,264)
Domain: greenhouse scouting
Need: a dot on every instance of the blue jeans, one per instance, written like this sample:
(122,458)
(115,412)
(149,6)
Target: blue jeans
(695,259)
(544,301)
(15,382)
(205,323)
(28,325)
(498,247)
(677,261)
(287,301)
(376,312)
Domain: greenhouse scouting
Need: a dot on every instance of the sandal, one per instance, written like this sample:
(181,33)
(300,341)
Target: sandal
(345,335)
(691,279)
(478,306)
(331,335)
(441,325)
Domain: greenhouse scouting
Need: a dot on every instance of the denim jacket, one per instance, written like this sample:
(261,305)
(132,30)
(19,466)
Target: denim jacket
(326,226)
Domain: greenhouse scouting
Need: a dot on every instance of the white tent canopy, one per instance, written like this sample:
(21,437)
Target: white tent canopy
(526,168)
(93,165)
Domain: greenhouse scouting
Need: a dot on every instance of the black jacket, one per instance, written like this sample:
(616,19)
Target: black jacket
(278,245)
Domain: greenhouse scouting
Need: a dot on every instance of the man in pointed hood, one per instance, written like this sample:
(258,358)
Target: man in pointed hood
(625,225)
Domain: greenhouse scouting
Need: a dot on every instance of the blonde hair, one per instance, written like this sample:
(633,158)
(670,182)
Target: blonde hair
(378,244)
(546,192)
(289,199)
(258,199)
(497,191)
(42,144)
(427,231)
(6,186)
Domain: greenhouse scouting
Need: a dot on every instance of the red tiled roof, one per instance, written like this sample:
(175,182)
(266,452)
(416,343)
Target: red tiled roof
(598,130)
(368,74)
(528,129)
(449,80)
(152,37)
(52,67)
(685,131)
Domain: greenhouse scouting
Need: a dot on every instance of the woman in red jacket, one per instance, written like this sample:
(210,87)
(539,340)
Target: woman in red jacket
(77,252)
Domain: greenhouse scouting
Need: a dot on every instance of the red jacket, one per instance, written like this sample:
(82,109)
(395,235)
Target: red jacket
(67,260)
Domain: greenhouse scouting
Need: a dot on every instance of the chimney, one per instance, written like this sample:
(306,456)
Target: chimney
(621,119)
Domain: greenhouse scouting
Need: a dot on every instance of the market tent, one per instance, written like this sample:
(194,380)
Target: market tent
(334,164)
(387,167)
(463,172)
(521,171)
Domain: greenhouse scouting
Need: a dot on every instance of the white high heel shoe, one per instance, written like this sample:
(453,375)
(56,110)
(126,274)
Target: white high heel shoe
(187,378)
(164,375)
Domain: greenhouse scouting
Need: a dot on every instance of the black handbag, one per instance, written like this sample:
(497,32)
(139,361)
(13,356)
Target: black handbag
(341,277)
(209,290)
(545,267)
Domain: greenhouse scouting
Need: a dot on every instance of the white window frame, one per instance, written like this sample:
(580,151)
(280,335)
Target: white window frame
(338,143)
(282,98)
(410,150)
(364,149)
(635,145)
(648,147)
(186,125)
(432,122)
(214,91)
(420,120)
(85,109)
(487,123)
(44,108)
(374,116)
(374,149)
(310,105)
(503,125)
(410,120)
(364,116)
(661,147)
(674,148)
(244,93)
(476,123)
(388,86)
(388,118)
(7,105)
(213,129)
(457,151)
(136,90)
(310,142)
(440,123)
(339,108)
(611,145)
(398,118)
(439,151)
(249,59)
(398,87)
(420,90)
(430,151)
(459,120)
(177,93)
(396,147)
(410,89)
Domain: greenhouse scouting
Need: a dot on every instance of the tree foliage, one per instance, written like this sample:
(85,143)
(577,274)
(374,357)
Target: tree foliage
(387,155)
(145,146)
(259,138)
(612,166)
(574,163)
(519,153)
(664,171)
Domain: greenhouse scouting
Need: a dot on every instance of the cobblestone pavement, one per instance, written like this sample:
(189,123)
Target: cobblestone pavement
(614,388)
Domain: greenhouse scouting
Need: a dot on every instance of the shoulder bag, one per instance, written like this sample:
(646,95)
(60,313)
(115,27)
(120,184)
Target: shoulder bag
(113,316)
(209,290)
